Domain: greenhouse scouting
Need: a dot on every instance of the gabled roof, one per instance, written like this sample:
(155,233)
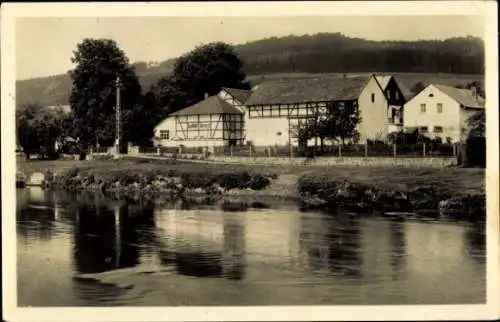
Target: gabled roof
(462,96)
(317,89)
(383,80)
(210,105)
(241,95)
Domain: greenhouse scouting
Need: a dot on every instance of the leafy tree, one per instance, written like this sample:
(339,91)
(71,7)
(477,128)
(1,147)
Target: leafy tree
(204,70)
(477,124)
(93,97)
(38,128)
(338,124)
(341,122)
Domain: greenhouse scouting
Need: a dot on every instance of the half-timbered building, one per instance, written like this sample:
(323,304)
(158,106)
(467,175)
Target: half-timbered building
(218,120)
(276,108)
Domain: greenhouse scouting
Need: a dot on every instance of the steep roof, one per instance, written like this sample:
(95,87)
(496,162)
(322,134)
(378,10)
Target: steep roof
(210,105)
(383,80)
(241,95)
(317,89)
(462,96)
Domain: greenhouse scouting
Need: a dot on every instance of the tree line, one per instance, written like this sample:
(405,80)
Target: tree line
(327,52)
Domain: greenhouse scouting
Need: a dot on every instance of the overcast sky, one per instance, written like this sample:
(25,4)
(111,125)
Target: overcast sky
(44,46)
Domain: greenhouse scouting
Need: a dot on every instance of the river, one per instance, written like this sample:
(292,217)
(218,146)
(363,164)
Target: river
(89,251)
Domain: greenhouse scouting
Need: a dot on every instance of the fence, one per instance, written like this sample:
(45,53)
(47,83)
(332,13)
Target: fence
(359,150)
(353,150)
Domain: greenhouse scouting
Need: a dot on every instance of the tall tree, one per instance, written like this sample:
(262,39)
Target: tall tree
(93,97)
(204,70)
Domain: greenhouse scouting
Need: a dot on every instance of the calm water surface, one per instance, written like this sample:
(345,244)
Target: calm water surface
(73,251)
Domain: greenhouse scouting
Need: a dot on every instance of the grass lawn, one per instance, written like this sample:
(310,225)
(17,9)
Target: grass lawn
(456,180)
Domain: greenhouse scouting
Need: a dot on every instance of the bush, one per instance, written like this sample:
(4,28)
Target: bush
(475,152)
(259,182)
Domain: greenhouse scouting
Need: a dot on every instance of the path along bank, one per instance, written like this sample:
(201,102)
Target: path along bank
(450,190)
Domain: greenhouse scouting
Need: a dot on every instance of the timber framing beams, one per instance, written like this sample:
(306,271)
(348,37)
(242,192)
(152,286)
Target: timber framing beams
(209,127)
(296,110)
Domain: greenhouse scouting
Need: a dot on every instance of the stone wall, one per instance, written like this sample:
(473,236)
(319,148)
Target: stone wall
(345,161)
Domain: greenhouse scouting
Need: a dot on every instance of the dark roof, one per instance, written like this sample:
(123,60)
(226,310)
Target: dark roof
(462,96)
(320,89)
(210,105)
(241,95)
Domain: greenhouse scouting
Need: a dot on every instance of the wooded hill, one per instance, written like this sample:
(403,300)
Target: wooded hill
(293,56)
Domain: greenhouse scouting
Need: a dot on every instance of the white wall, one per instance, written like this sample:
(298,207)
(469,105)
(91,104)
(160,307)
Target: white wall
(374,121)
(449,119)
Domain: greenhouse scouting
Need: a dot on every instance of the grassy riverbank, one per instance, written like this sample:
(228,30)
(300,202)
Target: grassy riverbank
(359,189)
(454,180)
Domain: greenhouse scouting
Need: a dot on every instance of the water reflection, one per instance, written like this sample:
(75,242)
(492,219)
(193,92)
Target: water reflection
(108,237)
(294,253)
(397,247)
(332,244)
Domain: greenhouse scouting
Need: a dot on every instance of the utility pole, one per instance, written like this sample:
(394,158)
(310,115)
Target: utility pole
(118,118)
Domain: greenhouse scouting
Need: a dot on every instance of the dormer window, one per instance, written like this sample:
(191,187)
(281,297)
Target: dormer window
(431,95)
(373,97)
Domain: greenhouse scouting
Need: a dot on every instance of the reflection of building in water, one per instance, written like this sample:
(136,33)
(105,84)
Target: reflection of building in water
(377,248)
(331,245)
(232,240)
(36,213)
(202,243)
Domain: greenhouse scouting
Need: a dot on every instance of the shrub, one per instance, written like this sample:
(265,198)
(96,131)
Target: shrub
(259,182)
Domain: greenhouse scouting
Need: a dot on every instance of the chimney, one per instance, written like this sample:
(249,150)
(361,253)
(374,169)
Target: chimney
(474,92)
(206,95)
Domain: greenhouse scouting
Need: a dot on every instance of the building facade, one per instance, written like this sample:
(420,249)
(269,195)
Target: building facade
(442,111)
(216,121)
(275,109)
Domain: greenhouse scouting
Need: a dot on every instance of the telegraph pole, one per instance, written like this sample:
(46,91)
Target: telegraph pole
(118,118)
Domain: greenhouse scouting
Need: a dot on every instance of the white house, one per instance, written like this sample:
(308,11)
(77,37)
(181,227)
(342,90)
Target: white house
(442,111)
(218,120)
(275,108)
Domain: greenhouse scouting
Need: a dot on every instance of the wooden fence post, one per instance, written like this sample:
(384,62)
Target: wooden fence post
(394,149)
(231,150)
(423,147)
(291,150)
(340,150)
(454,149)
(250,151)
(366,149)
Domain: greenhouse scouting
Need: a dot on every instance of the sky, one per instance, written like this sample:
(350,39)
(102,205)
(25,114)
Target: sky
(44,46)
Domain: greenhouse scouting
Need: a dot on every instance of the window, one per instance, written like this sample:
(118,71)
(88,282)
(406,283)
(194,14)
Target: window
(440,108)
(431,95)
(388,94)
(373,97)
(397,95)
(164,135)
(423,129)
(438,129)
(422,108)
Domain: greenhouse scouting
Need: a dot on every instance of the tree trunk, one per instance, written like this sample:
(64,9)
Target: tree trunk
(322,145)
